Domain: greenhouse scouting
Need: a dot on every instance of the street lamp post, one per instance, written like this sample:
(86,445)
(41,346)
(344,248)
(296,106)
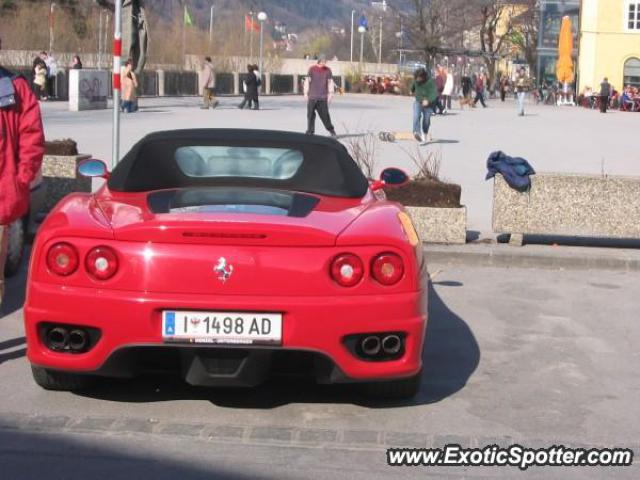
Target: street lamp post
(117,54)
(51,23)
(262,17)
(100,39)
(353,12)
(380,44)
(211,26)
(361,30)
(251,15)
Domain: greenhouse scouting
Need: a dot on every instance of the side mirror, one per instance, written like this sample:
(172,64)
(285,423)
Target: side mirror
(390,177)
(93,168)
(394,177)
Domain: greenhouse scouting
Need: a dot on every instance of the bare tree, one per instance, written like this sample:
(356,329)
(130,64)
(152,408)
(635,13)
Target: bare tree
(430,26)
(525,31)
(496,28)
(440,24)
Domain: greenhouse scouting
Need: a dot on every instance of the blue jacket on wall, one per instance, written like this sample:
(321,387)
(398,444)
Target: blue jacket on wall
(515,170)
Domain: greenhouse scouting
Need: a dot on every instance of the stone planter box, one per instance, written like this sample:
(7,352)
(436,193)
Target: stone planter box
(440,225)
(60,178)
(568,204)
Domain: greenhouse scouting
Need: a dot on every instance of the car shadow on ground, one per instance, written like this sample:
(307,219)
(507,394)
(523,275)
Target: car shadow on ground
(15,290)
(34,454)
(451,355)
(5,346)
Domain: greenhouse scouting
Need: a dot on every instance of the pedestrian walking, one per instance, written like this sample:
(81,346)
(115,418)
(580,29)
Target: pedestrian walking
(129,86)
(522,84)
(605,94)
(251,84)
(504,86)
(258,74)
(440,80)
(318,91)
(448,89)
(40,79)
(426,96)
(479,88)
(52,73)
(207,81)
(21,151)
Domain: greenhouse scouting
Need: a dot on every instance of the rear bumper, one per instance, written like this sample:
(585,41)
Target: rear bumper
(131,322)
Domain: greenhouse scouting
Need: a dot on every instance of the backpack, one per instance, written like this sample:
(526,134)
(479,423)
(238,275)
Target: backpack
(7,89)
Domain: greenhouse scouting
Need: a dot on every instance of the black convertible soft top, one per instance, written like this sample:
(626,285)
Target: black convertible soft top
(326,169)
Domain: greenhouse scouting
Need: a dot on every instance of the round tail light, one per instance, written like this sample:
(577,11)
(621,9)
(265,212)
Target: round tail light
(387,268)
(101,263)
(62,259)
(347,270)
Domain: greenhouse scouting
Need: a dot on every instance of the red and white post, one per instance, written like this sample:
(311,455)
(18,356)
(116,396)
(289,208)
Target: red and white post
(117,81)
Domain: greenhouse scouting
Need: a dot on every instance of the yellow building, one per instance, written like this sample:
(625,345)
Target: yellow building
(609,43)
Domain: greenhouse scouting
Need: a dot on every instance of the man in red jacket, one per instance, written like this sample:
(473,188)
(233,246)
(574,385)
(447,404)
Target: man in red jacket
(21,151)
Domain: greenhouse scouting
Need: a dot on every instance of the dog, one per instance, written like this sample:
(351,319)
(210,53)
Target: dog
(468,101)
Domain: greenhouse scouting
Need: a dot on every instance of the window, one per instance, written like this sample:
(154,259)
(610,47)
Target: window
(248,162)
(632,72)
(633,16)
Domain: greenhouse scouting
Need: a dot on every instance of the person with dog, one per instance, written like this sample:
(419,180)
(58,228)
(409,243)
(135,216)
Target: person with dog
(425,91)
(479,85)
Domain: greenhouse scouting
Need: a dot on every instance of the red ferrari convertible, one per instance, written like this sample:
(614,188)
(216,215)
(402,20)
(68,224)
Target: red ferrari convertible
(224,255)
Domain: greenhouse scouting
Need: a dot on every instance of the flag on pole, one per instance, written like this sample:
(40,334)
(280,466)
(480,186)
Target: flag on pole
(362,22)
(250,24)
(188,21)
(51,16)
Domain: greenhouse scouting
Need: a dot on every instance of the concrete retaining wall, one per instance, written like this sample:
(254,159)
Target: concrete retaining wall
(567,204)
(440,225)
(280,76)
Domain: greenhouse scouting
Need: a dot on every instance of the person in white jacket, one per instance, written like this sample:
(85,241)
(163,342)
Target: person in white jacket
(448,90)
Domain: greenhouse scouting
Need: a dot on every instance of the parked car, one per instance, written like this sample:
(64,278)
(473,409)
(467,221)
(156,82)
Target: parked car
(20,229)
(218,254)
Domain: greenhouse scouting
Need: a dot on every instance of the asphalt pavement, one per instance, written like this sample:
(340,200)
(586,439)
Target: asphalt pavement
(538,357)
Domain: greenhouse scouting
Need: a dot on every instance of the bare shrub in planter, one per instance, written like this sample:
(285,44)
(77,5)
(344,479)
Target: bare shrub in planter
(65,147)
(426,189)
(362,148)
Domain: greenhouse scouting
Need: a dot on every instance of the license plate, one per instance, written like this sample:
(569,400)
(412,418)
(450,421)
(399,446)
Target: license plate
(239,328)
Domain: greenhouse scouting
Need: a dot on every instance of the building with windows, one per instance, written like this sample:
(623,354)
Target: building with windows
(609,43)
(551,13)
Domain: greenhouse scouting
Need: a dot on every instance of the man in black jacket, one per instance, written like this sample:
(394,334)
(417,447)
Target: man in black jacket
(605,93)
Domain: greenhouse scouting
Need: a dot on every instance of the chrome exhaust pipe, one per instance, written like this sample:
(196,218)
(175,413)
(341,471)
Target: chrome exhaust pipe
(391,344)
(57,338)
(370,345)
(78,340)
